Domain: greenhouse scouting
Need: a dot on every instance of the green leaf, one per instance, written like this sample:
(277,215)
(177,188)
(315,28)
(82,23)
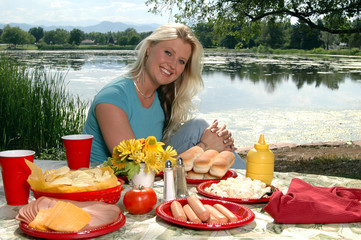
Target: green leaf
(131,168)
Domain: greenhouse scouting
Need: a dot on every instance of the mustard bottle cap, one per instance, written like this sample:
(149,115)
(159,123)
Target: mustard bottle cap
(261,145)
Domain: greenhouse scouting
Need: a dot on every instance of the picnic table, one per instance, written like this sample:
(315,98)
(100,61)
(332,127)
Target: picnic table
(150,226)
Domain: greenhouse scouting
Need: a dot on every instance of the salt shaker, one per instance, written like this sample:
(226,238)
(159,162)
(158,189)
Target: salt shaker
(180,179)
(168,189)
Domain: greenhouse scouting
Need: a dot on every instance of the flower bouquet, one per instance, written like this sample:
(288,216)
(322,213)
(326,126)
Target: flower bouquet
(129,154)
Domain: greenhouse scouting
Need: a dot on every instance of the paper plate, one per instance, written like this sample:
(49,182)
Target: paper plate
(201,189)
(89,233)
(244,215)
(229,173)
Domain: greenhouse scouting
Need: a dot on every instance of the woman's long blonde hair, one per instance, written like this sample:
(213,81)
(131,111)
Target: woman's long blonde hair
(176,97)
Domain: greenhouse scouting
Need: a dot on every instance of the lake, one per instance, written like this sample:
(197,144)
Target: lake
(288,98)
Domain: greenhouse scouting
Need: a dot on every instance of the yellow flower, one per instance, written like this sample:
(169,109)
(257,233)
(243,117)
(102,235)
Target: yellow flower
(151,145)
(153,162)
(127,148)
(137,157)
(136,151)
(168,154)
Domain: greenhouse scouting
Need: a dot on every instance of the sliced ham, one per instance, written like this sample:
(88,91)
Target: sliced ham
(101,213)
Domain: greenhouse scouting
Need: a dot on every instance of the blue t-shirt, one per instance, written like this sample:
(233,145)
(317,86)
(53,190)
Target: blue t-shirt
(143,121)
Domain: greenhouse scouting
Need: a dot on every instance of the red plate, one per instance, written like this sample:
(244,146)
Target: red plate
(229,173)
(90,233)
(201,189)
(244,215)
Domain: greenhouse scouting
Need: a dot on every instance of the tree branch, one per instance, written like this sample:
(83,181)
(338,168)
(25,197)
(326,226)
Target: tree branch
(305,20)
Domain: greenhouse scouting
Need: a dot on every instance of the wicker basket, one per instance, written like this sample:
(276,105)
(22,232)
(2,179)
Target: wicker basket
(110,195)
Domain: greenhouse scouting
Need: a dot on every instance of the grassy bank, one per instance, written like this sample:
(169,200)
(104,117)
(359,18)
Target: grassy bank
(36,110)
(67,47)
(256,50)
(320,51)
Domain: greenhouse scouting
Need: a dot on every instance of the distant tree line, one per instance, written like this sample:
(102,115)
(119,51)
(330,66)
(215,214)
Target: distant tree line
(59,36)
(273,34)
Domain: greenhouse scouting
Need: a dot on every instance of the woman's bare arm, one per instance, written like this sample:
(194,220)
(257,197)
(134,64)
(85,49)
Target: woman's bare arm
(114,124)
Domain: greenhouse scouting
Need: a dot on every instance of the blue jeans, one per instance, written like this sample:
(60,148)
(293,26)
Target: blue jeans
(190,134)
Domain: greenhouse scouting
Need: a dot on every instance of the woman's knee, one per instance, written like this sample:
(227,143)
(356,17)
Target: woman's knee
(199,124)
(188,135)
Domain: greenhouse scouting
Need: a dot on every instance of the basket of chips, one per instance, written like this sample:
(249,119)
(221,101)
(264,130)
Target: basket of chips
(98,184)
(110,195)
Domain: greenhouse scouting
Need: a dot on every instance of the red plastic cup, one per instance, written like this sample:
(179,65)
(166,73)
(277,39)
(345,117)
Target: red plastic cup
(15,173)
(77,149)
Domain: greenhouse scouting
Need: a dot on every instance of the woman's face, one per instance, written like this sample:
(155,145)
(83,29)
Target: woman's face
(166,61)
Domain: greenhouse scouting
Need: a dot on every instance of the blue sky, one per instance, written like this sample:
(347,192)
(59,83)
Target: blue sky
(79,12)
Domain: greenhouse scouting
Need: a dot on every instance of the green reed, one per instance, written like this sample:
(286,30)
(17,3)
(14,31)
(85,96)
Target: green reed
(36,109)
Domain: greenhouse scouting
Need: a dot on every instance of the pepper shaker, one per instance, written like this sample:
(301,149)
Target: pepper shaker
(181,182)
(168,189)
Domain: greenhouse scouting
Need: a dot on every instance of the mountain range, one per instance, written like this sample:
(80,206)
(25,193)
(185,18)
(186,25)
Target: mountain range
(103,27)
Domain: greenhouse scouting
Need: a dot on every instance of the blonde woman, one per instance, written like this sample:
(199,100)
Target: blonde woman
(154,98)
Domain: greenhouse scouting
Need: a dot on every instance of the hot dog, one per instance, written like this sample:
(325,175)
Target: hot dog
(231,217)
(198,208)
(217,214)
(212,220)
(191,215)
(177,211)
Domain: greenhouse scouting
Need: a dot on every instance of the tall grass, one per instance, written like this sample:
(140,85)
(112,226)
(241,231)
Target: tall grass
(36,109)
(321,51)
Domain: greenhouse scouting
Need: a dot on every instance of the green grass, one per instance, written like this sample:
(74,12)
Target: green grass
(19,47)
(259,50)
(36,109)
(321,51)
(317,51)
(84,47)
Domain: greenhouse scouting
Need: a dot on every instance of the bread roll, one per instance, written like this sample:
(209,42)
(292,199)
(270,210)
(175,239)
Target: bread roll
(222,163)
(193,175)
(204,161)
(209,176)
(189,156)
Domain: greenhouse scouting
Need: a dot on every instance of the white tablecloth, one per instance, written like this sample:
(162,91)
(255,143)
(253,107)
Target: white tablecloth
(149,226)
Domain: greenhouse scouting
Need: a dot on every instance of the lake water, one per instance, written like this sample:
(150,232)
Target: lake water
(299,99)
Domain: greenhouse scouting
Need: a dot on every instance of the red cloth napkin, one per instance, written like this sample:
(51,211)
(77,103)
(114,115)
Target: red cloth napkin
(305,203)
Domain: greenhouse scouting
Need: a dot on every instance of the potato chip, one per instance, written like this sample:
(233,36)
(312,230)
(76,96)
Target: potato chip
(82,183)
(62,181)
(66,180)
(53,174)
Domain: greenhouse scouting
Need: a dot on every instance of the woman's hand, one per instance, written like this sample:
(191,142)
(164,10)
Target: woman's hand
(217,138)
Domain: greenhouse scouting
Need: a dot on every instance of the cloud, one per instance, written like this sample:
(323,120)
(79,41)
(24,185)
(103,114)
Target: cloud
(60,4)
(75,11)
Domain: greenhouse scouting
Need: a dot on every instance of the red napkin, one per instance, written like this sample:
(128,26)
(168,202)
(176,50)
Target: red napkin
(305,203)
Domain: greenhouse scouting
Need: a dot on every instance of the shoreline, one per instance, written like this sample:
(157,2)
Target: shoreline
(275,146)
(293,152)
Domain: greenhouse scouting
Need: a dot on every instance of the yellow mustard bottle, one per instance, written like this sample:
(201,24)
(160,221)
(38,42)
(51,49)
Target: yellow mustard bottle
(260,162)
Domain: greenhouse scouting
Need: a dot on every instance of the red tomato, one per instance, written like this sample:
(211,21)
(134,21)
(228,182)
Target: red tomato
(140,200)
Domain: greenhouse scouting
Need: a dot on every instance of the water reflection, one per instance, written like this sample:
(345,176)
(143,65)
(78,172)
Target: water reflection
(75,60)
(97,67)
(288,98)
(329,72)
(271,69)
